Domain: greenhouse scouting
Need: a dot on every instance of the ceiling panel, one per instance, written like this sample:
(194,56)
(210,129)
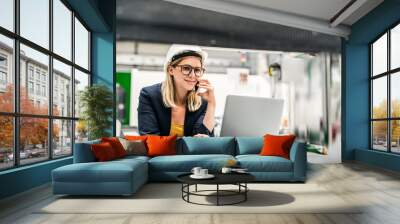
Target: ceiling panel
(319,9)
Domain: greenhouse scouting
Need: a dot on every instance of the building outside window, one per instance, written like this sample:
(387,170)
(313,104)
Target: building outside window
(43,90)
(34,75)
(30,87)
(38,89)
(3,78)
(30,72)
(3,71)
(44,77)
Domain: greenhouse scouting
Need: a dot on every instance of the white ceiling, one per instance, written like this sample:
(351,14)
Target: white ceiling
(319,9)
(314,15)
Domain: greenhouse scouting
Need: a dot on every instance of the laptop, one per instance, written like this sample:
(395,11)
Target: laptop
(251,116)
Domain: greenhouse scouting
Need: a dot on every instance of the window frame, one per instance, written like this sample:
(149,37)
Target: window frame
(16,114)
(388,74)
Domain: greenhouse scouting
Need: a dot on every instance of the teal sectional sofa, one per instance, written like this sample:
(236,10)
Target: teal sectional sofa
(125,176)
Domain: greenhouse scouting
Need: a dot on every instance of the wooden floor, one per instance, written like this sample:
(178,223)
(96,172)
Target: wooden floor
(377,188)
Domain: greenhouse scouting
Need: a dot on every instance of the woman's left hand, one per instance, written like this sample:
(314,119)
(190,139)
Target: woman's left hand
(209,94)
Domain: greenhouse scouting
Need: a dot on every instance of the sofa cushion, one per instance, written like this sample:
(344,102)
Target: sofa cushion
(185,163)
(111,171)
(132,158)
(103,152)
(249,145)
(211,145)
(83,152)
(277,145)
(134,147)
(116,145)
(257,163)
(161,145)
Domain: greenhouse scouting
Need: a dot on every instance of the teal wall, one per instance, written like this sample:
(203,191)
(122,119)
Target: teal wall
(24,178)
(103,68)
(99,15)
(356,100)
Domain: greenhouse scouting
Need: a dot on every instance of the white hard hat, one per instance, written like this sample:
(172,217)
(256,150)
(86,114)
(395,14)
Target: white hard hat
(177,51)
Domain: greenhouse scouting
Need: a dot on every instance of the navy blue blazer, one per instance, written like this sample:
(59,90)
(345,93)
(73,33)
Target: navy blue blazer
(155,119)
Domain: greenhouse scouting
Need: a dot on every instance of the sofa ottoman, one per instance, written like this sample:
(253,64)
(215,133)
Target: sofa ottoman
(119,177)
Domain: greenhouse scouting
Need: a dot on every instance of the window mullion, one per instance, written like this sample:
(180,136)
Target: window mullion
(389,76)
(50,81)
(16,85)
(73,82)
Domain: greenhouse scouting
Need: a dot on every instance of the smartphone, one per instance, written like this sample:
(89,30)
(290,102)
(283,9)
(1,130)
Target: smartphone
(199,90)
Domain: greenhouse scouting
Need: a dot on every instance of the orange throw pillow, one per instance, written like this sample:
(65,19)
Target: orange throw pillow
(134,138)
(116,145)
(277,145)
(161,145)
(103,152)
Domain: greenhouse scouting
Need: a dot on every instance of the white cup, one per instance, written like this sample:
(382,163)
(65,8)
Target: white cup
(203,172)
(226,170)
(196,171)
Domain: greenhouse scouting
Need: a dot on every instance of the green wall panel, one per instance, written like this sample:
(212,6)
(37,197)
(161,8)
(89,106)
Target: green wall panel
(124,80)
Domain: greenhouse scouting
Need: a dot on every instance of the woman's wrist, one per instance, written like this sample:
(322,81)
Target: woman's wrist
(211,102)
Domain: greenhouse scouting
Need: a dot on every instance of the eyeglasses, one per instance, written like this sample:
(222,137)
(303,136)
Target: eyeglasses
(187,70)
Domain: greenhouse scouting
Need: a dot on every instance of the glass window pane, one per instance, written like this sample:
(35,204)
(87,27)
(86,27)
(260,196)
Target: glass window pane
(81,45)
(395,138)
(35,21)
(81,81)
(379,98)
(6,74)
(33,140)
(395,94)
(62,29)
(7,14)
(6,142)
(395,47)
(62,138)
(379,135)
(81,131)
(379,55)
(34,97)
(62,89)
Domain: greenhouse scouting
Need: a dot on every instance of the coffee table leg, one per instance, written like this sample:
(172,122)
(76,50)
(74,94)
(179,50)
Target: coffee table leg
(245,193)
(217,194)
(196,188)
(188,189)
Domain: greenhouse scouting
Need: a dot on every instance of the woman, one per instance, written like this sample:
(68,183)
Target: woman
(184,104)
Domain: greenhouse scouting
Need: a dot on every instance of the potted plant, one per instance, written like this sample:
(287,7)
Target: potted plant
(96,103)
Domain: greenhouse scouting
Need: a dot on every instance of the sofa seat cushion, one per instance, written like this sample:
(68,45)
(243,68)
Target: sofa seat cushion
(206,146)
(133,158)
(185,163)
(112,171)
(257,163)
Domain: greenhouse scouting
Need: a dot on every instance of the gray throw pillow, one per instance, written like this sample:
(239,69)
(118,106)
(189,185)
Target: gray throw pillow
(134,147)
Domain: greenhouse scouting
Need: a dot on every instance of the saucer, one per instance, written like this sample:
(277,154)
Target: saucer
(208,176)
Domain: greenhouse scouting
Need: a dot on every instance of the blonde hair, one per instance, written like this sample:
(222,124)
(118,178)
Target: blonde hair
(193,100)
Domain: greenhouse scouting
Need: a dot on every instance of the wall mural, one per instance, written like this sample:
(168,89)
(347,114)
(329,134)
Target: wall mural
(310,85)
